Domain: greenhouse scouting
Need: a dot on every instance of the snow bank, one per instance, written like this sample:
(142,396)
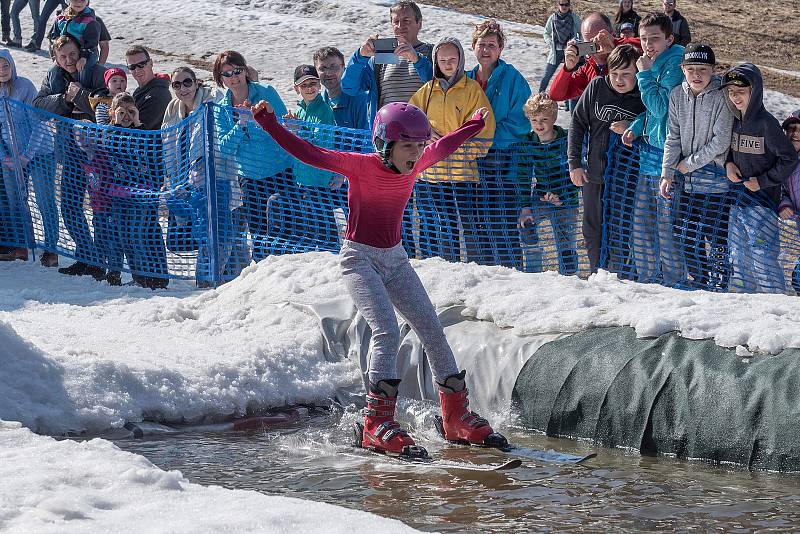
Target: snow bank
(54,486)
(99,361)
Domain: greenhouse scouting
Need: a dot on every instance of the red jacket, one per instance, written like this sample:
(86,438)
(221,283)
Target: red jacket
(567,85)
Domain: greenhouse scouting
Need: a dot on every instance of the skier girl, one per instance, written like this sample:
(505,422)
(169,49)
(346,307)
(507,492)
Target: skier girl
(376,270)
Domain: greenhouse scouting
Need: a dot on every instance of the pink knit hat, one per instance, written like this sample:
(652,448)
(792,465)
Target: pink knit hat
(116,71)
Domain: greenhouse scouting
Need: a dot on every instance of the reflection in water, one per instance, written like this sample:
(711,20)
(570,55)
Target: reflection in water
(615,491)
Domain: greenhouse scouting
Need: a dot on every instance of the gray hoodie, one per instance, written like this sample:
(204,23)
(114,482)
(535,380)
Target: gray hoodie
(30,133)
(699,132)
(444,82)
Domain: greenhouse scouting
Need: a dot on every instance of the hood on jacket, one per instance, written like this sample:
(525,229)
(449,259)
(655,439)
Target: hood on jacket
(100,95)
(447,83)
(5,53)
(749,72)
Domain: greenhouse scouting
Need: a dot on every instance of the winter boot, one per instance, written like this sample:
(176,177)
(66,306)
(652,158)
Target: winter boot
(15,254)
(381,432)
(76,269)
(460,425)
(114,278)
(49,259)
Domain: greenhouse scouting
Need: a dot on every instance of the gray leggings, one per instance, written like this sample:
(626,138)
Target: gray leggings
(378,278)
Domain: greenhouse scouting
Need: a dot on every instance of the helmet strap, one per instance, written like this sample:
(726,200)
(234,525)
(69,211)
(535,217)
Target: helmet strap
(384,151)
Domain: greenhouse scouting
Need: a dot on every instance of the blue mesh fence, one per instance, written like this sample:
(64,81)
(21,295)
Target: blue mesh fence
(202,199)
(711,233)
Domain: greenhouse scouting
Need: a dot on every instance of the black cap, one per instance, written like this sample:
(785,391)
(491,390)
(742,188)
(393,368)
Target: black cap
(698,54)
(794,118)
(733,77)
(305,72)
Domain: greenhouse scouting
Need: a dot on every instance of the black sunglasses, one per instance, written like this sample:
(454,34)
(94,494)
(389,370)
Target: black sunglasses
(188,82)
(231,73)
(139,65)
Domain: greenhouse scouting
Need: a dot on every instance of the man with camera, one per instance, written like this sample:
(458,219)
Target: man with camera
(584,61)
(397,79)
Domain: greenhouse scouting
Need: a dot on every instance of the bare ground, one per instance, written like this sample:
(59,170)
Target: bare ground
(761,32)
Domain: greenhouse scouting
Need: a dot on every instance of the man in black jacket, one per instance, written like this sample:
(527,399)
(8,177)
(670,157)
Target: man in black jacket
(153,95)
(680,26)
(608,104)
(74,104)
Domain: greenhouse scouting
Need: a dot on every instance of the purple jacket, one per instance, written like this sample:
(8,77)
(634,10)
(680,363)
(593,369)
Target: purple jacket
(790,196)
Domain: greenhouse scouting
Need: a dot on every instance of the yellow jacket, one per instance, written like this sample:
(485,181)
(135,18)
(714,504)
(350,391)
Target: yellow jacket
(448,112)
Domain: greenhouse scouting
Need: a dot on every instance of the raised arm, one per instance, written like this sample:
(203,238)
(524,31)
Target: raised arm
(321,158)
(448,144)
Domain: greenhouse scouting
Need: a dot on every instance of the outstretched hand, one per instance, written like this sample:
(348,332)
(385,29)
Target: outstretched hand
(262,106)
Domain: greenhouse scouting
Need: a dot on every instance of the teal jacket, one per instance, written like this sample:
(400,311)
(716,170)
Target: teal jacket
(507,91)
(656,85)
(320,113)
(542,168)
(253,151)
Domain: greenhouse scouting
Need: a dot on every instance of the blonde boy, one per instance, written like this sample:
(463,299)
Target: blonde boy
(546,191)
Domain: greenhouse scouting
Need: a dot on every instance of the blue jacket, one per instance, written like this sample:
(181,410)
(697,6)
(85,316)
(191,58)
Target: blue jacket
(507,91)
(349,111)
(656,85)
(256,155)
(359,77)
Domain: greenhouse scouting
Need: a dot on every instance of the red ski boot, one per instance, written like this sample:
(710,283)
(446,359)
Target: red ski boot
(458,424)
(381,432)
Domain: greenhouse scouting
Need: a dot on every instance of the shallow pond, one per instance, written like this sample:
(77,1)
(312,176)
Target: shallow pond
(616,491)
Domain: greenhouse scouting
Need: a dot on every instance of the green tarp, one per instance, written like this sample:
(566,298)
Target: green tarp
(667,395)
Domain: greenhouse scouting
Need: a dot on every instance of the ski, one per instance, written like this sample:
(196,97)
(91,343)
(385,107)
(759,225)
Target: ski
(419,456)
(549,456)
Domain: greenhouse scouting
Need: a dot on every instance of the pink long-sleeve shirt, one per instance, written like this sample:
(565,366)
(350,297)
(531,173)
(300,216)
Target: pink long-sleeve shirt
(377,196)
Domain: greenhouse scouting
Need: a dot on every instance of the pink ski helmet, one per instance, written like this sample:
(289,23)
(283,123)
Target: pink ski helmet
(399,121)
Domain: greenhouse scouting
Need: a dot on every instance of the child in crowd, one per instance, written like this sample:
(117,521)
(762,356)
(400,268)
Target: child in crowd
(102,194)
(790,200)
(377,273)
(79,22)
(449,100)
(626,30)
(116,82)
(660,72)
(136,171)
(697,143)
(550,195)
(761,159)
(610,101)
(312,109)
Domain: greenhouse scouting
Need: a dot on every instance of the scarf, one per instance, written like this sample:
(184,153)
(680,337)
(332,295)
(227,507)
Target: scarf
(563,28)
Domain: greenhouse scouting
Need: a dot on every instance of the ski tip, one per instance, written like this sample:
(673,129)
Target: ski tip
(511,464)
(587,457)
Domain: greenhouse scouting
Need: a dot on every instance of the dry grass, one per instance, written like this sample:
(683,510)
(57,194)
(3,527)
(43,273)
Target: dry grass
(764,33)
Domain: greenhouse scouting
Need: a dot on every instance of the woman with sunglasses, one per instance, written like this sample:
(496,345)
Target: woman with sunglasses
(184,144)
(562,26)
(262,167)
